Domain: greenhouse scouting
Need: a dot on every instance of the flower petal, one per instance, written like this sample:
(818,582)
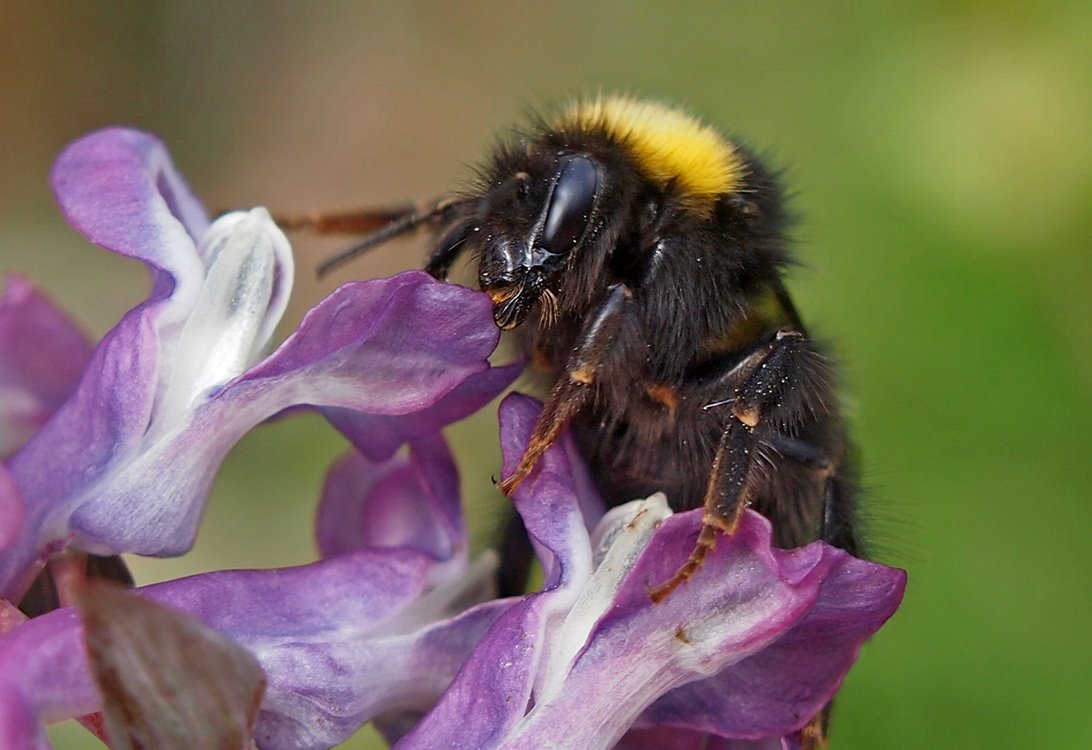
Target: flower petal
(96,430)
(737,605)
(768,692)
(231,319)
(341,640)
(44,673)
(379,436)
(12,512)
(360,348)
(119,189)
(42,354)
(666,738)
(489,695)
(549,674)
(411,502)
(557,502)
(410,339)
(20,727)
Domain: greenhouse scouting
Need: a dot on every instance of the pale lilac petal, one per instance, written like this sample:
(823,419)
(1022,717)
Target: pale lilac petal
(12,510)
(119,189)
(411,502)
(413,338)
(741,611)
(487,698)
(738,606)
(20,727)
(42,355)
(374,628)
(126,463)
(669,738)
(231,320)
(379,436)
(332,690)
(341,641)
(94,431)
(556,501)
(281,269)
(44,676)
(782,618)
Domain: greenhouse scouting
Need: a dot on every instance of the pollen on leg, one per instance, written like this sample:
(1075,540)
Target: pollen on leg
(546,433)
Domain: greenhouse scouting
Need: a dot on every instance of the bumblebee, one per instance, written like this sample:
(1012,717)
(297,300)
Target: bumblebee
(638,256)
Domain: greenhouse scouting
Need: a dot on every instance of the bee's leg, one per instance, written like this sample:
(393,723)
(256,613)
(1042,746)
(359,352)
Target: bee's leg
(575,388)
(734,476)
(837,529)
(839,518)
(449,248)
(771,388)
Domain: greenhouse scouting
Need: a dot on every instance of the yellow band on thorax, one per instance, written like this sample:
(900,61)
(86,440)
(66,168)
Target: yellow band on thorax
(669,145)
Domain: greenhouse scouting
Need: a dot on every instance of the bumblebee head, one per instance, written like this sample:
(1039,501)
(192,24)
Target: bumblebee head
(533,223)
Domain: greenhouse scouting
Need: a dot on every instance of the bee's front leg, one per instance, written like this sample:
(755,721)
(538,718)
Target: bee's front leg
(576,386)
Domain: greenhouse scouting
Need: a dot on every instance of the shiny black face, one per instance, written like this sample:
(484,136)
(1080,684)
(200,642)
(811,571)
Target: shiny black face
(519,265)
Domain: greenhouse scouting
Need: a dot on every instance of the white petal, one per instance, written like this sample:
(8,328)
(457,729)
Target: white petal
(618,540)
(232,319)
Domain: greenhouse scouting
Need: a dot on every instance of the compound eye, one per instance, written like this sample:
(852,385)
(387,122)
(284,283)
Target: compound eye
(570,205)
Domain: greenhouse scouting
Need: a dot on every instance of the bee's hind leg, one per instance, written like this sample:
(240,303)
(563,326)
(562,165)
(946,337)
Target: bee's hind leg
(774,387)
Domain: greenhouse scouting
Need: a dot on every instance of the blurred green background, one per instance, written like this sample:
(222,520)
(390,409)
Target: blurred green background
(939,153)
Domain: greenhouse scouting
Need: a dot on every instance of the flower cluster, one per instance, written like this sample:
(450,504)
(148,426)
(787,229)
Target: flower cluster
(112,450)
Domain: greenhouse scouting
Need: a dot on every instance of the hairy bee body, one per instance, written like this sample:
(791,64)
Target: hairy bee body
(638,256)
(701,258)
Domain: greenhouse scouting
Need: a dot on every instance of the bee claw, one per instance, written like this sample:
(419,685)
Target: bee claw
(510,484)
(707,539)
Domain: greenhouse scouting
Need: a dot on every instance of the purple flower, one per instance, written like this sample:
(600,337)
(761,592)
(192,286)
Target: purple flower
(125,464)
(12,512)
(751,648)
(42,355)
(380,626)
(748,650)
(43,678)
